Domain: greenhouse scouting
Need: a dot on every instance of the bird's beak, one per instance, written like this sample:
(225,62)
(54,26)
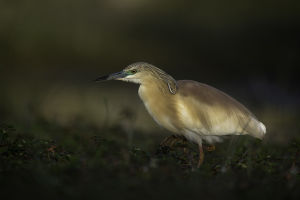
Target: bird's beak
(114,76)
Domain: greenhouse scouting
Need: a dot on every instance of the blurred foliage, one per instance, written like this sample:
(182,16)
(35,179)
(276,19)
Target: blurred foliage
(99,167)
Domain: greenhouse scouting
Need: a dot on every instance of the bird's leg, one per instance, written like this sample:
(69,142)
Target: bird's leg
(201,155)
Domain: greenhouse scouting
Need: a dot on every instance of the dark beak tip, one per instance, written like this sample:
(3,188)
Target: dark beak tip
(111,77)
(102,78)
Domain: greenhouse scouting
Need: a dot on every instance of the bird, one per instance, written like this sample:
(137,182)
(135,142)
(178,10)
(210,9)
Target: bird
(188,108)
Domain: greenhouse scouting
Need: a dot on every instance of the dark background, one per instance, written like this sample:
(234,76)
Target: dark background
(249,49)
(50,51)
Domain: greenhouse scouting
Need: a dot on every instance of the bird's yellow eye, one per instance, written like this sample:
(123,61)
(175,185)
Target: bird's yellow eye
(133,71)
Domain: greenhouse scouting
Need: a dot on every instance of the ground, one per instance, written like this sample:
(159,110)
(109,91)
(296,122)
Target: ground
(100,163)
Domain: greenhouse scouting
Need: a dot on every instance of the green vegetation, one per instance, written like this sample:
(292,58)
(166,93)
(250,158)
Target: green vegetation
(101,164)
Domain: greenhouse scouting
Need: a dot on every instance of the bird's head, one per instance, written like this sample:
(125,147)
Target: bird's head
(141,73)
(136,73)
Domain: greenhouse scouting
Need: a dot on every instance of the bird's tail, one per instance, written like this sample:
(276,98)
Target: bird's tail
(256,129)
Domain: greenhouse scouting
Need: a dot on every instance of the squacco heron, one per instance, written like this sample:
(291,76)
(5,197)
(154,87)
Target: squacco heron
(188,108)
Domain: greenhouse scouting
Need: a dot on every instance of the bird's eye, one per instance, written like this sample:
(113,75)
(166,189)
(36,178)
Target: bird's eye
(133,71)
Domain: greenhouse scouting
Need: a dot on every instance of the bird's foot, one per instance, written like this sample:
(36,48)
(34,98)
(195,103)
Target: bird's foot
(199,163)
(173,140)
(178,145)
(210,148)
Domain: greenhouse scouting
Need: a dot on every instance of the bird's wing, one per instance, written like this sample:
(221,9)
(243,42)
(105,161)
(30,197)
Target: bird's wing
(209,111)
